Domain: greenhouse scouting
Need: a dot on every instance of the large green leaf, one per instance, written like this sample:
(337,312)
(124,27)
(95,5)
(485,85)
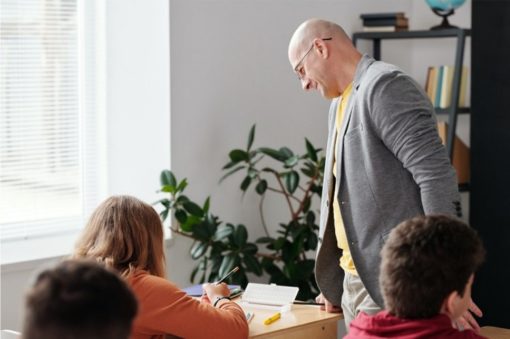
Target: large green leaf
(261,187)
(207,204)
(291,161)
(277,155)
(227,264)
(223,232)
(193,208)
(167,178)
(287,153)
(238,155)
(182,185)
(198,249)
(240,236)
(250,248)
(229,173)
(181,216)
(190,221)
(251,136)
(164,214)
(246,183)
(168,189)
(310,151)
(264,240)
(201,231)
(292,181)
(312,241)
(252,264)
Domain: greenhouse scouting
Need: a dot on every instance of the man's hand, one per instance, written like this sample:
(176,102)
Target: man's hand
(467,321)
(328,307)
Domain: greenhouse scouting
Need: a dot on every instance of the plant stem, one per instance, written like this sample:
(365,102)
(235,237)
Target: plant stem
(261,210)
(284,193)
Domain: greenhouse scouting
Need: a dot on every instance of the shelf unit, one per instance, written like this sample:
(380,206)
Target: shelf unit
(458,33)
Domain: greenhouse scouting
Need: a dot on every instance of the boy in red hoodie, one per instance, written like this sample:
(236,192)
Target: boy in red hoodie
(427,271)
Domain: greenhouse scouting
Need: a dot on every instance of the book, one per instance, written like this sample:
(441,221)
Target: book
(398,21)
(446,87)
(463,87)
(385,29)
(196,290)
(388,15)
(432,85)
(437,98)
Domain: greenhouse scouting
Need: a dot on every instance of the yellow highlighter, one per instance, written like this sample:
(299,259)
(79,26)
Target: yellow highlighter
(272,318)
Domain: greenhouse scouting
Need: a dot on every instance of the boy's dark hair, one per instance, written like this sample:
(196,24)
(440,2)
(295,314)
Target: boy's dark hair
(79,299)
(424,260)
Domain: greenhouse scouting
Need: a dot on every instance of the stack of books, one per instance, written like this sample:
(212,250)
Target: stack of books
(439,85)
(385,22)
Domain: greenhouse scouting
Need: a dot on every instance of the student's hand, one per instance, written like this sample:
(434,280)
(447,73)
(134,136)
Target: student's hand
(328,307)
(213,291)
(467,321)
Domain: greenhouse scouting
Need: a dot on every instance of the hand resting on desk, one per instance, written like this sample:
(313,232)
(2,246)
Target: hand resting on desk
(328,307)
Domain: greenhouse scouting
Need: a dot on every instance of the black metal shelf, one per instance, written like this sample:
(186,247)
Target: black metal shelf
(460,110)
(460,34)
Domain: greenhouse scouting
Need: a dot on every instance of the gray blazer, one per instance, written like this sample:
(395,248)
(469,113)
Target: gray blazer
(391,167)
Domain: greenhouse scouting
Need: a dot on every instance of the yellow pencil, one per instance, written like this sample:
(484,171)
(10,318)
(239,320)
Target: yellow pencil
(272,318)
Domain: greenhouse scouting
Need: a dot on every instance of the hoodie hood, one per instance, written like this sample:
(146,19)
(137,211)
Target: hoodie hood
(385,325)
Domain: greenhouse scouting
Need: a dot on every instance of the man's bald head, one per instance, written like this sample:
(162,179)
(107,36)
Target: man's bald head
(312,29)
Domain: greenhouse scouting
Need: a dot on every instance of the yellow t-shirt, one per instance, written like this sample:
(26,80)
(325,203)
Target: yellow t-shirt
(346,261)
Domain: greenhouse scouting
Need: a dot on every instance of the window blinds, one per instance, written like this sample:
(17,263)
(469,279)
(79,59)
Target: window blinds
(51,108)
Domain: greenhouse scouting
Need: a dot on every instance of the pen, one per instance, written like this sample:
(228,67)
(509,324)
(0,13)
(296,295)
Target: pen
(272,318)
(234,270)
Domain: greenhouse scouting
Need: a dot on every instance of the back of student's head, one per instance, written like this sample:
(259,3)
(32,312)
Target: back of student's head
(125,233)
(424,260)
(79,300)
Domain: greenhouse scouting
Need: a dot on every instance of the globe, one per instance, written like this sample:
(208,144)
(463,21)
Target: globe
(445,5)
(444,8)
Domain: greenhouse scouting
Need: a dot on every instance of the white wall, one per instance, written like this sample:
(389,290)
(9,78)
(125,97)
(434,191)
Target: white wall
(229,70)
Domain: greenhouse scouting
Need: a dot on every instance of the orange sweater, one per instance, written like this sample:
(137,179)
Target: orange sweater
(164,309)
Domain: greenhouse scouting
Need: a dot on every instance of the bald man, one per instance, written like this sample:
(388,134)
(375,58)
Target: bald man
(385,162)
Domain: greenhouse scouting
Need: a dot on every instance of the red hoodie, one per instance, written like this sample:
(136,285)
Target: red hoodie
(385,325)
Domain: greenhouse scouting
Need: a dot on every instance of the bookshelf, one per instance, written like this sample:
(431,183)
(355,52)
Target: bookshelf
(460,35)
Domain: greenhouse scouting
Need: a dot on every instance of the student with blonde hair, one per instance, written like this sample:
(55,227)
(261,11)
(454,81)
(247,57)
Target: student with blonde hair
(127,234)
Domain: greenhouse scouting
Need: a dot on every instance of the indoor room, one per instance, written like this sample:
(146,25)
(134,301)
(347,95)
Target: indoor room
(194,107)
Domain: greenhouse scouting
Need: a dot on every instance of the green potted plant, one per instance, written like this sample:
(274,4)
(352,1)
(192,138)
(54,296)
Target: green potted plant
(287,253)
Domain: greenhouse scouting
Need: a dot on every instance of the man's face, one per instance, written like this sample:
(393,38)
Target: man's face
(309,65)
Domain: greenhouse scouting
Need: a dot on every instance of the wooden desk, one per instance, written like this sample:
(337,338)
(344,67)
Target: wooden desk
(302,322)
(495,332)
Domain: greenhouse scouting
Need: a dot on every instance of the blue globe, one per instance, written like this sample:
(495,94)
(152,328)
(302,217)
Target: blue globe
(445,5)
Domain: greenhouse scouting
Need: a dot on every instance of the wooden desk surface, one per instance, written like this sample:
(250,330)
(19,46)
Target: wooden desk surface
(495,332)
(303,321)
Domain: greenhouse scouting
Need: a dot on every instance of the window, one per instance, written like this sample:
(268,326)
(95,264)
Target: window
(51,115)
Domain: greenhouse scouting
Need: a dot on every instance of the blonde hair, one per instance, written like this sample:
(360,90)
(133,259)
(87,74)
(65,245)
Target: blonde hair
(125,234)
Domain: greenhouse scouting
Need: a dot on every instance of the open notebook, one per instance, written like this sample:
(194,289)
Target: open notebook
(269,296)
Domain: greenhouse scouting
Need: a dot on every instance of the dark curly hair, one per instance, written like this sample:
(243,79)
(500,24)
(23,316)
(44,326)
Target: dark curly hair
(424,260)
(79,299)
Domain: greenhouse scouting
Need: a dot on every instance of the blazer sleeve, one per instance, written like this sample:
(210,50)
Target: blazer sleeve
(165,309)
(403,117)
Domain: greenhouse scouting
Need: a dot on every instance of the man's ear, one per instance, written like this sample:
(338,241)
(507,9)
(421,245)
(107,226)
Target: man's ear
(320,47)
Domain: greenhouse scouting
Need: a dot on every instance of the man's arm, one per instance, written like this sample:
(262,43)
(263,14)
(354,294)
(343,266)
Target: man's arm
(403,117)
